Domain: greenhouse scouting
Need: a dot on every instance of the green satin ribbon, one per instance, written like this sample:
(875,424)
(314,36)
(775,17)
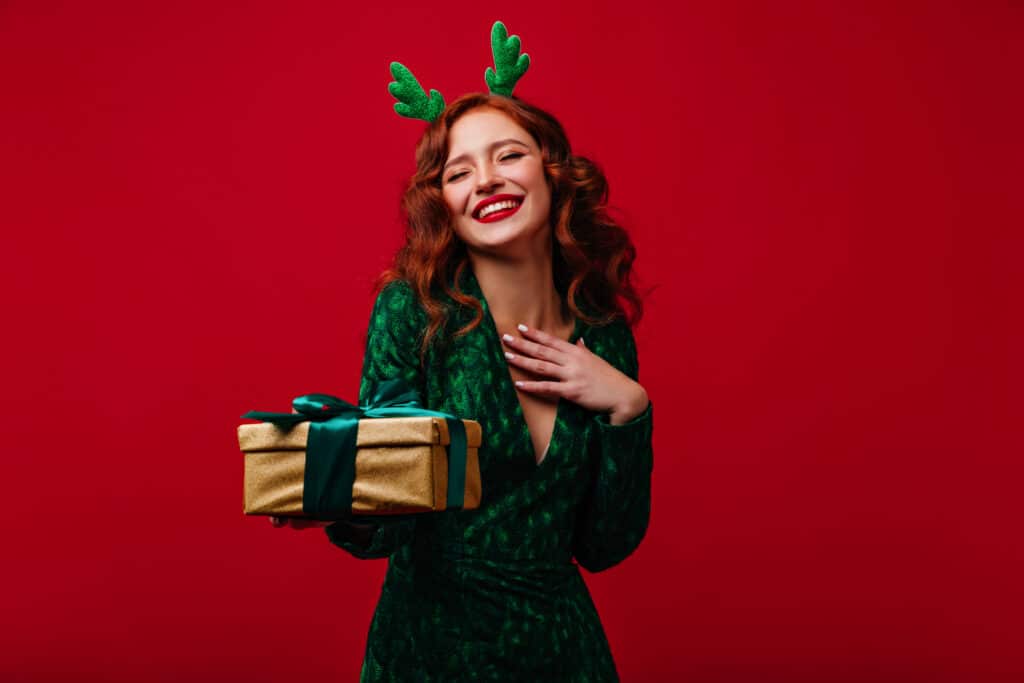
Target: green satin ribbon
(331,446)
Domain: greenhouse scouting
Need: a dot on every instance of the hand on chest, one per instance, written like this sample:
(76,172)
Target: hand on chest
(539,412)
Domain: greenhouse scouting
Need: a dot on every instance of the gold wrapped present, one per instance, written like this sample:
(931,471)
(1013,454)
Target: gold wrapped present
(401,466)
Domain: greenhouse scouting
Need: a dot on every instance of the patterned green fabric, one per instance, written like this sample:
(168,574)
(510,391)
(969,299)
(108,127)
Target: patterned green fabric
(493,594)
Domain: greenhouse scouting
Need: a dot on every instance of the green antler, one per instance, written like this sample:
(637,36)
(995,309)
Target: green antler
(510,64)
(413,102)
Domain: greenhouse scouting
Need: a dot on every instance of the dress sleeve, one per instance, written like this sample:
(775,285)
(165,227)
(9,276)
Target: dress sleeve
(614,514)
(392,352)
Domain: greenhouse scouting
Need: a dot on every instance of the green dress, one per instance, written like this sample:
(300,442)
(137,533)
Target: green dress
(493,594)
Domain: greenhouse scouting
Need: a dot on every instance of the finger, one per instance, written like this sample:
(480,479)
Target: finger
(581,343)
(539,367)
(313,524)
(524,347)
(542,388)
(542,337)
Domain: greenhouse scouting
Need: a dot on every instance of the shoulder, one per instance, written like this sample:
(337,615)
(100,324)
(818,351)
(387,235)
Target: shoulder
(397,314)
(396,293)
(398,300)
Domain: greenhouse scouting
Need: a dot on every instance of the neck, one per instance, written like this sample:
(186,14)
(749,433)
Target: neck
(520,291)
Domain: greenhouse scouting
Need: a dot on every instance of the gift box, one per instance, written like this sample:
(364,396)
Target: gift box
(401,466)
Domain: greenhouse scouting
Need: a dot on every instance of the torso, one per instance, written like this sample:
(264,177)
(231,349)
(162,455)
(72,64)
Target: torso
(538,411)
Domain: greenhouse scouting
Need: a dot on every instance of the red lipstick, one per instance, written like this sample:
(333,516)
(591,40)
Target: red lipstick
(518,199)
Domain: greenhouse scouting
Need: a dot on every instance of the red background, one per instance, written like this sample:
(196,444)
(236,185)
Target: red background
(196,197)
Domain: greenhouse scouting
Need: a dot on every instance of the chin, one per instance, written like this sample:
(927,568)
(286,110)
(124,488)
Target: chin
(495,241)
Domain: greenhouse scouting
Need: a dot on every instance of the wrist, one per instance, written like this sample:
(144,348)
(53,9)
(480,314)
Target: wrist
(631,406)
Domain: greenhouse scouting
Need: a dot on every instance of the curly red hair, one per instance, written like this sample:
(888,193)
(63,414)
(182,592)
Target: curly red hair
(592,256)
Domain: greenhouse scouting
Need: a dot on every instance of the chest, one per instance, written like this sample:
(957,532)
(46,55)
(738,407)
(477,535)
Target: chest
(539,415)
(539,411)
(473,379)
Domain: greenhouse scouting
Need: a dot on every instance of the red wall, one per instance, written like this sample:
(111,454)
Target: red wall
(195,199)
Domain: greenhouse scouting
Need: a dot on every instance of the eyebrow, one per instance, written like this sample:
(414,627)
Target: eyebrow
(490,148)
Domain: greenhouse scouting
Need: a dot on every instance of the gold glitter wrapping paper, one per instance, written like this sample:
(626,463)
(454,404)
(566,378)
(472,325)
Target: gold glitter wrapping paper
(401,467)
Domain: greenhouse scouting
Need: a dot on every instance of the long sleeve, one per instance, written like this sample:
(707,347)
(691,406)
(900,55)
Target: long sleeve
(614,515)
(392,351)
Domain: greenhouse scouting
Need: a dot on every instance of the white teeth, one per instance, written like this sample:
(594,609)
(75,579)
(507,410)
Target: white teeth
(498,206)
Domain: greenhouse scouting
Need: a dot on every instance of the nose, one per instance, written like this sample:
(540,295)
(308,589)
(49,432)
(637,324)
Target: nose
(488,180)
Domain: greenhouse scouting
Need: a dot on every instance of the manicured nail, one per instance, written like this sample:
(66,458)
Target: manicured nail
(507,337)
(519,384)
(510,356)
(522,327)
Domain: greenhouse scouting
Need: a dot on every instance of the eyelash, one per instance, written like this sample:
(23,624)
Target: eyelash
(510,155)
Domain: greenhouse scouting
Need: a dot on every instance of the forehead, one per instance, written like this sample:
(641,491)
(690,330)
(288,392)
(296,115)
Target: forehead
(474,131)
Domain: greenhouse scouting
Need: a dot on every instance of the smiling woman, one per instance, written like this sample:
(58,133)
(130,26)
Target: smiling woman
(510,262)
(487,148)
(496,188)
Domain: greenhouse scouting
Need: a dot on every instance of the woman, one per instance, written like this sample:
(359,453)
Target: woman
(510,264)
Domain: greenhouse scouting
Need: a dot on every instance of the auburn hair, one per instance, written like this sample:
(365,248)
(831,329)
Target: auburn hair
(592,256)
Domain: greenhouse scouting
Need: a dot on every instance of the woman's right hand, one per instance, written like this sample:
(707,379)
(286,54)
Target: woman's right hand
(297,523)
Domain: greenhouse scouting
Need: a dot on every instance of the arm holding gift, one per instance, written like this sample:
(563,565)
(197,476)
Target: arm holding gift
(388,456)
(392,352)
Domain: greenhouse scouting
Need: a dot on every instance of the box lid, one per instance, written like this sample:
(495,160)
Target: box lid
(384,431)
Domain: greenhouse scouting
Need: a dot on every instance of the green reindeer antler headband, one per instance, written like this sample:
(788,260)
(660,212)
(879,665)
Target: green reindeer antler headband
(414,103)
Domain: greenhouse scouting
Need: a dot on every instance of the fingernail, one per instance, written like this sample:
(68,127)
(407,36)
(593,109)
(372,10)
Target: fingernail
(519,384)
(522,327)
(507,337)
(508,355)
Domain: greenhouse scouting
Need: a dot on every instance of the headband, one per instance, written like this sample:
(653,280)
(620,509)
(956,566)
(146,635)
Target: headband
(509,66)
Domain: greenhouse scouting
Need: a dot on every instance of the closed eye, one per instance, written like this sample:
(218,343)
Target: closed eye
(512,155)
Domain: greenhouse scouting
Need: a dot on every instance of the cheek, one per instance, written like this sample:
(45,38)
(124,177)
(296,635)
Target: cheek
(542,192)
(454,199)
(537,181)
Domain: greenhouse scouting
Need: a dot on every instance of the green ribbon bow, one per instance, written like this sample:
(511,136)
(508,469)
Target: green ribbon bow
(331,446)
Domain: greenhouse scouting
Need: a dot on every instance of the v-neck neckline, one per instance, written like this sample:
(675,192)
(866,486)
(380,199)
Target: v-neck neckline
(495,340)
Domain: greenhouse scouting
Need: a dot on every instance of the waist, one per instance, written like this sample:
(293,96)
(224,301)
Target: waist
(468,552)
(472,569)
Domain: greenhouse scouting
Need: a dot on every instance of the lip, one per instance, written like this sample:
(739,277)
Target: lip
(495,198)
